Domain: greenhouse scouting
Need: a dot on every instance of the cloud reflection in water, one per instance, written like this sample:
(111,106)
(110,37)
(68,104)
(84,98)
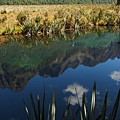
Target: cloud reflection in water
(115,75)
(73,98)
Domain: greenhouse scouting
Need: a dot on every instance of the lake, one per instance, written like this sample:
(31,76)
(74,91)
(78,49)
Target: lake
(62,63)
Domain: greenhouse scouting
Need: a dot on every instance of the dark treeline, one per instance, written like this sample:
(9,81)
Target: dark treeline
(37,2)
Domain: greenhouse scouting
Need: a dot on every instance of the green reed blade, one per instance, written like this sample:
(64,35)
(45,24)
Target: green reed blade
(99,117)
(77,97)
(32,113)
(71,115)
(112,116)
(93,101)
(54,106)
(84,110)
(38,99)
(81,117)
(43,104)
(74,117)
(49,111)
(66,112)
(33,106)
(26,110)
(104,106)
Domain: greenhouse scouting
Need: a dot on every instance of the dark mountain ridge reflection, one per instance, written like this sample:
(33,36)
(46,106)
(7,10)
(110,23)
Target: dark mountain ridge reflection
(18,64)
(88,57)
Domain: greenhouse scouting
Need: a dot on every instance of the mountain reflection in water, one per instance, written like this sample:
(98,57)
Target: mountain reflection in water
(18,64)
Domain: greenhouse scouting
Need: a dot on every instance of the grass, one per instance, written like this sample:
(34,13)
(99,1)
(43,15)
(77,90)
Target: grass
(84,15)
(85,112)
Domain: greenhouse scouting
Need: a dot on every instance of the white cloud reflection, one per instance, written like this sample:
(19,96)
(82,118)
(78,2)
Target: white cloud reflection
(115,75)
(73,98)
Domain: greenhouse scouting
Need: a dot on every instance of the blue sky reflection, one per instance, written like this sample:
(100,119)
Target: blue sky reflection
(73,98)
(115,75)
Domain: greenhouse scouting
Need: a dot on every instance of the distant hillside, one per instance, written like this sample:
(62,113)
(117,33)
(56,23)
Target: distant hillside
(37,2)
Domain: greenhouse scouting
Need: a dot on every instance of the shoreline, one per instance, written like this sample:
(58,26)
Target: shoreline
(65,17)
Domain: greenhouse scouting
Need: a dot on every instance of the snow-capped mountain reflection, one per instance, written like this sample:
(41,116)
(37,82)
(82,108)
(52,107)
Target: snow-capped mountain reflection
(115,75)
(73,97)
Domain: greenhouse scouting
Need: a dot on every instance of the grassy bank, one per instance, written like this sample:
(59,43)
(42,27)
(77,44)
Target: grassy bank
(46,19)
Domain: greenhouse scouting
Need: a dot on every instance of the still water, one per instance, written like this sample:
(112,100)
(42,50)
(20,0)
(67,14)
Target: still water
(62,65)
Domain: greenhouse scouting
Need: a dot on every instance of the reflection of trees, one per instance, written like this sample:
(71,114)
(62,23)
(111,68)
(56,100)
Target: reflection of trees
(46,40)
(115,75)
(72,89)
(53,60)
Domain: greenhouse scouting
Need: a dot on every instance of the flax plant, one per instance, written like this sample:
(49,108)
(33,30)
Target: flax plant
(85,112)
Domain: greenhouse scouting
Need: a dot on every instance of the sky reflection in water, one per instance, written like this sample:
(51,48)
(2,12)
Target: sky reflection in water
(76,91)
(115,75)
(63,70)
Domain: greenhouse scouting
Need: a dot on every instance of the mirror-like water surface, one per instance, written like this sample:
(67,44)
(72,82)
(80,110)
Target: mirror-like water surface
(63,65)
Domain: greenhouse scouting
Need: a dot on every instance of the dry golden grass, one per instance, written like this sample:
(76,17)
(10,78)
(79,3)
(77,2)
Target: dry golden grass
(33,10)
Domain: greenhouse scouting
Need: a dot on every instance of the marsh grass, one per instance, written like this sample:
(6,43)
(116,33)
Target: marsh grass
(47,39)
(85,112)
(62,17)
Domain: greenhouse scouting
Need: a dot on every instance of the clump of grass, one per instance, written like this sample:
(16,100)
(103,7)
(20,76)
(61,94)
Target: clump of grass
(72,20)
(84,112)
(3,11)
(37,19)
(3,19)
(8,31)
(22,17)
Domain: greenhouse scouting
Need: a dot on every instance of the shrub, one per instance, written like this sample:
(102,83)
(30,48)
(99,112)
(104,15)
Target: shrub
(22,17)
(37,19)
(2,20)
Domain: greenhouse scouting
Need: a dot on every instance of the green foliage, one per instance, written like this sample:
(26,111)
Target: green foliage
(85,113)
(22,16)
(30,28)
(3,19)
(37,19)
(8,31)
(39,112)
(64,21)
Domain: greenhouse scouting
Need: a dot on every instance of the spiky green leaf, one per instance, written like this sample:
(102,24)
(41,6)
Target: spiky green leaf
(54,106)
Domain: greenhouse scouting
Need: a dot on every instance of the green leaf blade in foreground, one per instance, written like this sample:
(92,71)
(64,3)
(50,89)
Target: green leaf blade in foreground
(43,104)
(66,112)
(33,107)
(84,110)
(26,110)
(112,116)
(93,102)
(38,98)
(49,111)
(104,106)
(54,106)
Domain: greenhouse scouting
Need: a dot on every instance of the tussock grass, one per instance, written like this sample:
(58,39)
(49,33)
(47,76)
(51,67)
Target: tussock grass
(66,16)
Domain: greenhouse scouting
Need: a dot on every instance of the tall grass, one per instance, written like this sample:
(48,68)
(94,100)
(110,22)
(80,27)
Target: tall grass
(85,112)
(71,19)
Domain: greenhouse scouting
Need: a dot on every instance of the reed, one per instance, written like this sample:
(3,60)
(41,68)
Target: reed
(59,17)
(85,112)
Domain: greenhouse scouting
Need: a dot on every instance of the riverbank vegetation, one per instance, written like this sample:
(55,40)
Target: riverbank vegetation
(66,36)
(48,19)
